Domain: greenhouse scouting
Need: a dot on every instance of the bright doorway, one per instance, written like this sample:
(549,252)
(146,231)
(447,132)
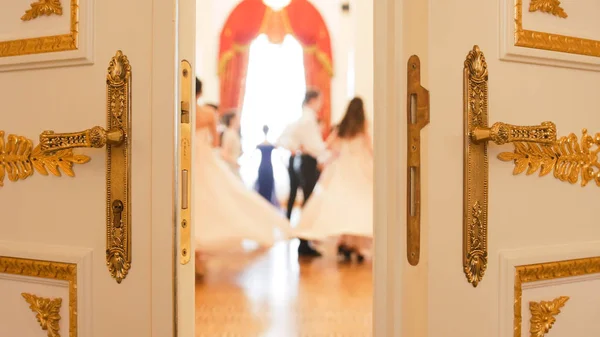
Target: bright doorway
(274,90)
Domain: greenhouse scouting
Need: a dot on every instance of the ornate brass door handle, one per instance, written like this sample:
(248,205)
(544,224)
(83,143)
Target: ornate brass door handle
(96,137)
(536,148)
(502,133)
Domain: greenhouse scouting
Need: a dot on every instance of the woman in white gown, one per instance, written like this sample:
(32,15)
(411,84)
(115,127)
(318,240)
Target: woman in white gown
(342,205)
(226,212)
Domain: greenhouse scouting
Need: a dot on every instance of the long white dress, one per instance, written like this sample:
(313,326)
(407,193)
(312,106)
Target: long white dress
(232,148)
(342,203)
(226,212)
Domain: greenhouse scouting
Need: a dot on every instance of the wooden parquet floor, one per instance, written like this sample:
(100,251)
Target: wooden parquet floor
(272,294)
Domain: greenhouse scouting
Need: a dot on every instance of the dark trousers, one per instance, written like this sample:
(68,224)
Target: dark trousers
(294,184)
(309,175)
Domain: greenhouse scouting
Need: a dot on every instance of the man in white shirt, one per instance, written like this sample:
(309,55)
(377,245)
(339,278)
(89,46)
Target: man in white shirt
(304,139)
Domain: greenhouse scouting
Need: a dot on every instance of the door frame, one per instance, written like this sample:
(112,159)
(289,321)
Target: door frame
(389,166)
(165,67)
(389,97)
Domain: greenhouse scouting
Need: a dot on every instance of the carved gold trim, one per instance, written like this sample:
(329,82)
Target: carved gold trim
(47,270)
(475,205)
(46,44)
(543,315)
(47,312)
(19,159)
(43,7)
(553,42)
(548,6)
(118,172)
(571,159)
(548,271)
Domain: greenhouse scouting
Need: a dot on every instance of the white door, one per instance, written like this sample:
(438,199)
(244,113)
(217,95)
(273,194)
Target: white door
(89,255)
(504,252)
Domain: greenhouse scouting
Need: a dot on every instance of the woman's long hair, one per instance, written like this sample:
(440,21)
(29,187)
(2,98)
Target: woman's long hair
(354,121)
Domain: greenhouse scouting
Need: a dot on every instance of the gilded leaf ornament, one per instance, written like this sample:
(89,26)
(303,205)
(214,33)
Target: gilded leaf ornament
(43,7)
(19,159)
(543,315)
(570,158)
(476,247)
(47,312)
(548,6)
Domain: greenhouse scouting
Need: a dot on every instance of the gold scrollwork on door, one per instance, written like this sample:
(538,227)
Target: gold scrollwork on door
(43,7)
(19,159)
(571,158)
(543,315)
(47,312)
(548,6)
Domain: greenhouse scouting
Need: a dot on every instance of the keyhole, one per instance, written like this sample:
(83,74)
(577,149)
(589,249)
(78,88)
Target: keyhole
(117,208)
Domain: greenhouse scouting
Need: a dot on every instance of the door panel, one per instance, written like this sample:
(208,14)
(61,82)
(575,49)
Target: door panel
(545,219)
(53,230)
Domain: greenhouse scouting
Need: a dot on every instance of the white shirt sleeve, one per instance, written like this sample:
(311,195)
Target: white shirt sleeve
(310,137)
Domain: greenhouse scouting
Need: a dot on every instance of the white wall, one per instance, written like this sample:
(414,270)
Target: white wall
(362,12)
(350,34)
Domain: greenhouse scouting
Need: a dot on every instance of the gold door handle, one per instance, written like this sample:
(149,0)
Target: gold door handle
(96,137)
(502,133)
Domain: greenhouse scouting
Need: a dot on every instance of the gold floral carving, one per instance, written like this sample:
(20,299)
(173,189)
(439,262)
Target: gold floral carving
(43,7)
(47,270)
(549,41)
(19,159)
(47,312)
(475,249)
(548,6)
(118,227)
(570,159)
(46,44)
(548,271)
(543,315)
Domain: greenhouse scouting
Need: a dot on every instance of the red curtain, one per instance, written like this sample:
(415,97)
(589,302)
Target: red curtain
(252,18)
(232,81)
(242,26)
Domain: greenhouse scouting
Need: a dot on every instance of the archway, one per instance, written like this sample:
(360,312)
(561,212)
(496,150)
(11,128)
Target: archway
(251,18)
